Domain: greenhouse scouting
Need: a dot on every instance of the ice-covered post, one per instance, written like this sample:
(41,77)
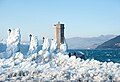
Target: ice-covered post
(46,44)
(45,50)
(43,39)
(33,45)
(53,47)
(13,40)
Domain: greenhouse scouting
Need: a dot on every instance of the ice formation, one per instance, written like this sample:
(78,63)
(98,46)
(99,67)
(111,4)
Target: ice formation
(39,67)
(53,47)
(46,44)
(33,45)
(61,68)
(13,40)
(63,47)
(13,43)
(44,53)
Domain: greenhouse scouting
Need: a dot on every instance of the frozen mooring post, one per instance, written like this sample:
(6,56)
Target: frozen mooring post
(13,41)
(33,45)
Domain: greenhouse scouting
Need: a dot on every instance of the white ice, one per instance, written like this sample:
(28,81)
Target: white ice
(13,40)
(46,44)
(33,45)
(53,47)
(13,43)
(63,47)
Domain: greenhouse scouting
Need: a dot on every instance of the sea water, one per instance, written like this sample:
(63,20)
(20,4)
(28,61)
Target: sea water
(103,55)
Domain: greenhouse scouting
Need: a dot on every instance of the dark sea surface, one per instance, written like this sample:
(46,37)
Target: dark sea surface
(106,55)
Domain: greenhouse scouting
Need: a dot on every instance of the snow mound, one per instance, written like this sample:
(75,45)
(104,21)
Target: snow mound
(60,68)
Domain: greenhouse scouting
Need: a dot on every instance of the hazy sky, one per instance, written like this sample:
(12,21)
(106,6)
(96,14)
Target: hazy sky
(82,18)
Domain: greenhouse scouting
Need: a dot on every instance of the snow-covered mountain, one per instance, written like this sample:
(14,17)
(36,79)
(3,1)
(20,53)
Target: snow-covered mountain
(87,43)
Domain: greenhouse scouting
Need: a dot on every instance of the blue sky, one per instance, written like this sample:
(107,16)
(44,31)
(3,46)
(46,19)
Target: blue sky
(82,18)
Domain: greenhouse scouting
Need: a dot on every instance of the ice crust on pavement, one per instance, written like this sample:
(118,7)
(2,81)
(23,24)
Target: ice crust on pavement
(49,65)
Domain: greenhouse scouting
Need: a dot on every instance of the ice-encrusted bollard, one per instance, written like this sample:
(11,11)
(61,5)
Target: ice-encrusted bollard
(13,41)
(33,45)
(44,53)
(46,45)
(53,47)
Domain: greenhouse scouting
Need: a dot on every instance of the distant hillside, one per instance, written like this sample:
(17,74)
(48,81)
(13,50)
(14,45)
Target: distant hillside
(113,43)
(87,43)
(73,43)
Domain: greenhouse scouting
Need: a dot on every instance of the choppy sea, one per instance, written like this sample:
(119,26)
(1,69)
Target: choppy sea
(105,55)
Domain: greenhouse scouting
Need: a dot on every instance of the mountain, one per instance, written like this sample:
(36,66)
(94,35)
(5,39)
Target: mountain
(113,43)
(87,43)
(73,43)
